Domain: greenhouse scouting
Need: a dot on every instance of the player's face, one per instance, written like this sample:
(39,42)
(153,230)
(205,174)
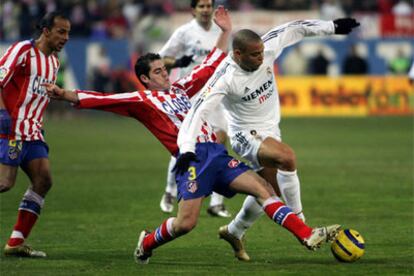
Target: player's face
(158,78)
(252,57)
(58,35)
(203,12)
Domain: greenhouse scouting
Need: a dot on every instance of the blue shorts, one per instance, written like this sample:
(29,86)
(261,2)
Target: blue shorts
(20,153)
(215,171)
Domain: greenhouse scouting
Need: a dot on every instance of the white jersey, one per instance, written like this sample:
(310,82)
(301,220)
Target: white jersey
(191,39)
(250,98)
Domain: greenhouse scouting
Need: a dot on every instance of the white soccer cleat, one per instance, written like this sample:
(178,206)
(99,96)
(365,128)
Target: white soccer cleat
(218,211)
(23,250)
(167,203)
(320,235)
(236,244)
(140,255)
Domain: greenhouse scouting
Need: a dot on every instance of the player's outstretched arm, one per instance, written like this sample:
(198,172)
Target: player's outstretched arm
(291,33)
(223,20)
(345,26)
(57,93)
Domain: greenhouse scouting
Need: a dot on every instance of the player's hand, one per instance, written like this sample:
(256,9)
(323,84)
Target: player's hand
(183,61)
(5,122)
(54,91)
(222,18)
(183,162)
(345,25)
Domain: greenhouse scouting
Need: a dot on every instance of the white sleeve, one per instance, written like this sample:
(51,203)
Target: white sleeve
(290,33)
(411,73)
(175,46)
(198,114)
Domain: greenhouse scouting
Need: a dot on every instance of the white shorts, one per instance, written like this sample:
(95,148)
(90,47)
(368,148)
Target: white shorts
(247,144)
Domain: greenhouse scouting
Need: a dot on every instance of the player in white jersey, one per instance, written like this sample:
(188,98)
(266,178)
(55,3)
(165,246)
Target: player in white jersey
(189,45)
(24,67)
(245,84)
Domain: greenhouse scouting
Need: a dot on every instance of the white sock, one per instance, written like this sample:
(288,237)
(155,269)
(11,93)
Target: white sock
(216,199)
(289,186)
(171,185)
(248,214)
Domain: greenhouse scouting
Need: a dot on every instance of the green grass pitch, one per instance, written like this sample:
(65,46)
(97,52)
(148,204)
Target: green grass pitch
(109,174)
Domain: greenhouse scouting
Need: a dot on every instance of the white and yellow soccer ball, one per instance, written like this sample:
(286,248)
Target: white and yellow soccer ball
(348,246)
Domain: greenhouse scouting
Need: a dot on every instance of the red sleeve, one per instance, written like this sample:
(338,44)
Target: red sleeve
(122,103)
(11,59)
(193,82)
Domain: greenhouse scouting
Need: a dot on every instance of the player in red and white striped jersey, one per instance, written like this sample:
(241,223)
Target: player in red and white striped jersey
(24,67)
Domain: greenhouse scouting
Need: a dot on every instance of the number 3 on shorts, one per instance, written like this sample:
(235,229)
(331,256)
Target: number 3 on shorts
(193,173)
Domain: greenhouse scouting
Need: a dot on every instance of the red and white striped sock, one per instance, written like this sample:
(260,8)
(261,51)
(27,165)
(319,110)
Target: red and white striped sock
(29,211)
(284,216)
(163,234)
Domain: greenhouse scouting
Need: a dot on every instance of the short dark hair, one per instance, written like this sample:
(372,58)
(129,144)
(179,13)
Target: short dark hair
(195,2)
(48,21)
(142,66)
(244,37)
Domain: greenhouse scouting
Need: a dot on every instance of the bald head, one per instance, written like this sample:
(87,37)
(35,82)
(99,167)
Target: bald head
(243,38)
(248,50)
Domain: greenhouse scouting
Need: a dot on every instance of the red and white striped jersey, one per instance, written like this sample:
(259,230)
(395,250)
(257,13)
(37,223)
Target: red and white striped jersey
(23,68)
(162,112)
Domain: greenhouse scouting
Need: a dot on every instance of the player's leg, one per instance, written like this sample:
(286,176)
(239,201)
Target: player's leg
(275,154)
(36,165)
(251,183)
(9,163)
(7,177)
(170,229)
(216,207)
(170,194)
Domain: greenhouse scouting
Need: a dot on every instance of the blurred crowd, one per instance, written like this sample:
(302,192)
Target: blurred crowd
(141,21)
(116,18)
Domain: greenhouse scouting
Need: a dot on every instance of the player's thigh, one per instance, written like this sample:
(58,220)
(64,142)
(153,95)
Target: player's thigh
(251,183)
(273,154)
(188,213)
(7,177)
(269,174)
(38,170)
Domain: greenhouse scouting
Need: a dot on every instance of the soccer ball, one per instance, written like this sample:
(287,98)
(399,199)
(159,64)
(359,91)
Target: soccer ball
(348,246)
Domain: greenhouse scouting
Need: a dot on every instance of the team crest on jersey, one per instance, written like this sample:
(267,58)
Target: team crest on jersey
(192,186)
(233,163)
(3,73)
(269,70)
(15,147)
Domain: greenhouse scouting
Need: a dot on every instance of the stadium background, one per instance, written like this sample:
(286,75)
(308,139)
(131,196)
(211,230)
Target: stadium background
(109,172)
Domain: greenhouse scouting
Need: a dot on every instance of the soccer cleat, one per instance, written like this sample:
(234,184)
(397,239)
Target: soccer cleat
(23,250)
(218,211)
(140,255)
(235,243)
(167,203)
(320,235)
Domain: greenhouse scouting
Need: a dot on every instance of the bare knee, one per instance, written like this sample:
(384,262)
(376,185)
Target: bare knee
(288,160)
(5,185)
(185,226)
(42,184)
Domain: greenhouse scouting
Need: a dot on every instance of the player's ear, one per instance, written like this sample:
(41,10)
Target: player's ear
(237,53)
(45,31)
(144,79)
